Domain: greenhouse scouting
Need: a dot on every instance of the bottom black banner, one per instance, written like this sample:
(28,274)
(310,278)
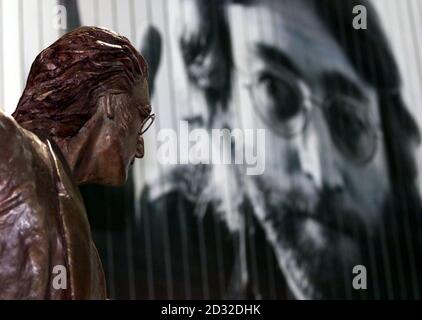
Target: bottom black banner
(208,309)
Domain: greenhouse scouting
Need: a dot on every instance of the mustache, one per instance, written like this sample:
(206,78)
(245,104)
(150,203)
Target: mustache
(303,200)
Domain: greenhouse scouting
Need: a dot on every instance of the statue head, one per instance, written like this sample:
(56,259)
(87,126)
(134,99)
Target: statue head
(88,92)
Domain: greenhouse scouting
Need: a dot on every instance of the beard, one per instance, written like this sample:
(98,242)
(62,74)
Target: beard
(319,236)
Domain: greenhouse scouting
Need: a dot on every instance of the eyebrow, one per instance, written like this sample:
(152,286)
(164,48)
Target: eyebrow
(275,56)
(340,82)
(332,80)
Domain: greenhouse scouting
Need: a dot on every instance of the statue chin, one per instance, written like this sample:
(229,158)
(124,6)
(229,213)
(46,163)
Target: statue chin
(113,180)
(120,178)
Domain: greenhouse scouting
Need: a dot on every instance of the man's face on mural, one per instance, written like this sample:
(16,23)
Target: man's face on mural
(326,179)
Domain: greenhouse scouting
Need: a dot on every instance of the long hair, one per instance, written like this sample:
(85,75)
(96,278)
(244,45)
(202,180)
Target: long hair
(371,55)
(369,52)
(67,79)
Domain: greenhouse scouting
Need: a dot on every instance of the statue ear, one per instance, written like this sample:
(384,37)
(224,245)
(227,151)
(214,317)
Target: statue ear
(108,107)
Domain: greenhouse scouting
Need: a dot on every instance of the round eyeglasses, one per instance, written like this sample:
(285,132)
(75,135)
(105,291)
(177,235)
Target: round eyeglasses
(147,122)
(285,105)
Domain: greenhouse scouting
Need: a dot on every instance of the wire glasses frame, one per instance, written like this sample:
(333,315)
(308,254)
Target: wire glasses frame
(147,122)
(296,125)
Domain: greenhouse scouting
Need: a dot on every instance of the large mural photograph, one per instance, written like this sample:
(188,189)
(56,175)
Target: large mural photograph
(197,149)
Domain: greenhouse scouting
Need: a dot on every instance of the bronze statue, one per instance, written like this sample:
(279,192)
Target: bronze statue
(80,120)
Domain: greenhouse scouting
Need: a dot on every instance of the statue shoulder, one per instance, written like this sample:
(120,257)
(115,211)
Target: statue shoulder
(8,129)
(24,204)
(15,161)
(18,144)
(22,157)
(16,149)
(13,145)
